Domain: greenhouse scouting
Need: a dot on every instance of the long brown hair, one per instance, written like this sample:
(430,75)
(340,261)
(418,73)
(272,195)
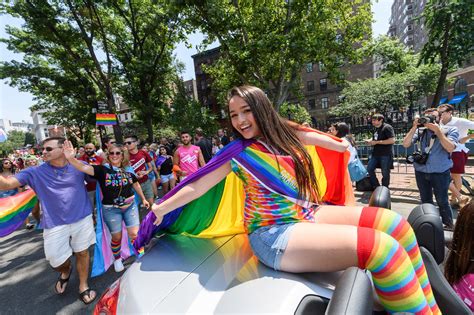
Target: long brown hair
(461,256)
(278,133)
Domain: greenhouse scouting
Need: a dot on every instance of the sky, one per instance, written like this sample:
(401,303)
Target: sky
(14,105)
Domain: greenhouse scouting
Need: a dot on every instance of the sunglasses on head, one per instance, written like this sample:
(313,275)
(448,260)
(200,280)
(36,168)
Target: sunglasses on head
(49,149)
(115,153)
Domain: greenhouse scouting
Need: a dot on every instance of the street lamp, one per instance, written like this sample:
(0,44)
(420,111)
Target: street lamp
(411,89)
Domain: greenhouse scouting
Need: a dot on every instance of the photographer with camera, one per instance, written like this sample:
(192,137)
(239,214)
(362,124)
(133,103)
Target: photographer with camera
(432,160)
(460,154)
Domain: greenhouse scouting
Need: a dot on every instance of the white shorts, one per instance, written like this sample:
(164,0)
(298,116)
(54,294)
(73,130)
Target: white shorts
(61,241)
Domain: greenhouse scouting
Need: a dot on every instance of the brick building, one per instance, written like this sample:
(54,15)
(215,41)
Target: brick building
(320,94)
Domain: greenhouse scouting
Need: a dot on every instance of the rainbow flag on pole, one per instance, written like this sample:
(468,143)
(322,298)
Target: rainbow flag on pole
(105,119)
(14,210)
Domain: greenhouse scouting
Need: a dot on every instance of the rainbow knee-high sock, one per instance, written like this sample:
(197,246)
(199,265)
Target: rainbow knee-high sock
(396,226)
(394,278)
(116,248)
(140,251)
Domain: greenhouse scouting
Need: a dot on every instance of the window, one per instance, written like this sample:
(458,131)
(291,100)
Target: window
(311,104)
(321,66)
(324,103)
(460,86)
(310,85)
(323,84)
(126,116)
(309,67)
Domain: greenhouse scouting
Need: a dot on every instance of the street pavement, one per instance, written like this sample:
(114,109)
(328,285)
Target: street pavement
(27,280)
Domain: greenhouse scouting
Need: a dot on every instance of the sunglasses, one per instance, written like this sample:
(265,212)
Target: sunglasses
(129,142)
(7,162)
(49,149)
(115,153)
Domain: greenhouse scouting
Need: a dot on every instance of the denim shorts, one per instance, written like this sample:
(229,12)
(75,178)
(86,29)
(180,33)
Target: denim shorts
(269,242)
(113,217)
(166,178)
(147,190)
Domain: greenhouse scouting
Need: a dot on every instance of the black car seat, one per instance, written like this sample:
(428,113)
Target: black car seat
(426,223)
(381,198)
(353,294)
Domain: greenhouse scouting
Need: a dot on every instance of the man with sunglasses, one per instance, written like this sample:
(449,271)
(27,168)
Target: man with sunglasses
(141,162)
(66,214)
(107,141)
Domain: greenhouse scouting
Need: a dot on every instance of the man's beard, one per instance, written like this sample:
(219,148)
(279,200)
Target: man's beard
(90,153)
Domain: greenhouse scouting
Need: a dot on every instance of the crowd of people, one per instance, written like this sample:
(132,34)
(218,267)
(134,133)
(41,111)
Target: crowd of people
(130,176)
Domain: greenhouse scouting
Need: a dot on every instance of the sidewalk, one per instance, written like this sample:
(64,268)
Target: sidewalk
(403,184)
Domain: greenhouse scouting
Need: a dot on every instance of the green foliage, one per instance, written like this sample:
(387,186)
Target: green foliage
(294,112)
(389,91)
(165,131)
(77,53)
(188,114)
(267,43)
(16,140)
(450,28)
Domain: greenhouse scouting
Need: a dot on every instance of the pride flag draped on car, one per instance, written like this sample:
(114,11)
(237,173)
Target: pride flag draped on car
(14,210)
(220,210)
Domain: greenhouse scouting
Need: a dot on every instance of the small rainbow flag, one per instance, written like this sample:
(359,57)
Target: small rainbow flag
(14,210)
(105,119)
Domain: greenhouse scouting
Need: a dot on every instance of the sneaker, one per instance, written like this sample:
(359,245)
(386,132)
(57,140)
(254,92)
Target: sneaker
(118,265)
(448,227)
(30,226)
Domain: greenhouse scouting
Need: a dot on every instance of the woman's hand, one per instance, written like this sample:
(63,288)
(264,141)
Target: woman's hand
(146,203)
(158,214)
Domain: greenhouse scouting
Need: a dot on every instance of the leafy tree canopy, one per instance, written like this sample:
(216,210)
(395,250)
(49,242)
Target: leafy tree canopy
(266,43)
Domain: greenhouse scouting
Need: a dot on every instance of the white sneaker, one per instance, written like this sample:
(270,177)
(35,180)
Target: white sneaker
(118,265)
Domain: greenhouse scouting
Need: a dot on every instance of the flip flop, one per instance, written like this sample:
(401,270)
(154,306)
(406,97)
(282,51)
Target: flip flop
(62,283)
(87,292)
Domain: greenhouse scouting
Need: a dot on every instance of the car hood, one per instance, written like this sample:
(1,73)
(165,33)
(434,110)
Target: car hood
(181,274)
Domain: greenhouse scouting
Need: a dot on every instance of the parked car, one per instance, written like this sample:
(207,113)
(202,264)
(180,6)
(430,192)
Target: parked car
(182,274)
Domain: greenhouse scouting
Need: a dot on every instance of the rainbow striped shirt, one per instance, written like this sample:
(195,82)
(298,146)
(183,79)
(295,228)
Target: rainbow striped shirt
(264,207)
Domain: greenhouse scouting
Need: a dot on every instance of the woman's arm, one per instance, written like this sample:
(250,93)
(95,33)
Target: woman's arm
(139,191)
(70,154)
(323,141)
(190,192)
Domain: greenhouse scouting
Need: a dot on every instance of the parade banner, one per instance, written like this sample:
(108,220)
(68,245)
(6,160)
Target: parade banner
(105,119)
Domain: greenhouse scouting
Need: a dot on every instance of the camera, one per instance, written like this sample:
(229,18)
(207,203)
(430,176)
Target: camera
(119,201)
(418,157)
(426,119)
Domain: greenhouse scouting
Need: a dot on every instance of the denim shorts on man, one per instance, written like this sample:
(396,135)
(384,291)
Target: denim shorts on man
(113,217)
(147,190)
(269,242)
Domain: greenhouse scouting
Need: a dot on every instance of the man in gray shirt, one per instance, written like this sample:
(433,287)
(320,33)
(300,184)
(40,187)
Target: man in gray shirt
(432,166)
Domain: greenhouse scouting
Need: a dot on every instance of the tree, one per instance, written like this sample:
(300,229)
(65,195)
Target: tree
(16,140)
(450,28)
(389,91)
(295,112)
(188,114)
(142,37)
(266,43)
(59,39)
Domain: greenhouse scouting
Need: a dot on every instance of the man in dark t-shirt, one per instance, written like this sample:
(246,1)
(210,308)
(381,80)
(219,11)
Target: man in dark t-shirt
(382,153)
(204,144)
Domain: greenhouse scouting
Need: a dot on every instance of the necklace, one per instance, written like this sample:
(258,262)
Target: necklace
(59,172)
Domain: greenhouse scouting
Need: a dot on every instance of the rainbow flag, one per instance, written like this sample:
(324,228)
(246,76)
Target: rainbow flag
(14,210)
(105,119)
(220,210)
